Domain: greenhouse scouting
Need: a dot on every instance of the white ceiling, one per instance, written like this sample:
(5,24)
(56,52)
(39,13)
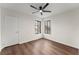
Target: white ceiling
(56,8)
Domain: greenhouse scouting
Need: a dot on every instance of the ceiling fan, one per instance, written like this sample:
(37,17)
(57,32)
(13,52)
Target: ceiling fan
(40,9)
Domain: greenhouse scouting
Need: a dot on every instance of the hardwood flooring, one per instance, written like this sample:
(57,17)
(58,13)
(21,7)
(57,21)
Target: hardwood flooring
(40,47)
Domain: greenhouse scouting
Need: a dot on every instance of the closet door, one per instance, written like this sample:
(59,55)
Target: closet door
(11,30)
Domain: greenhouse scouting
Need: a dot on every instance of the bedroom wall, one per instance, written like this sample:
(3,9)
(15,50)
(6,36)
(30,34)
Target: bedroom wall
(75,25)
(0,29)
(65,28)
(25,27)
(7,14)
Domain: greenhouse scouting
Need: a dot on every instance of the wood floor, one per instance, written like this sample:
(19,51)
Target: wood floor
(40,47)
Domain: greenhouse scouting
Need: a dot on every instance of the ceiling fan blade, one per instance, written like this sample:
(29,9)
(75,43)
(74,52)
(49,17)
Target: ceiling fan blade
(46,11)
(33,7)
(35,12)
(46,5)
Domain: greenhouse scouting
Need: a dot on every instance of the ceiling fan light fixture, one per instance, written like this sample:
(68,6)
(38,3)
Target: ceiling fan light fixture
(40,11)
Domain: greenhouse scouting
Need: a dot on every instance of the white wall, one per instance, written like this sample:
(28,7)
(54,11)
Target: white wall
(65,28)
(75,25)
(25,27)
(0,29)
(5,27)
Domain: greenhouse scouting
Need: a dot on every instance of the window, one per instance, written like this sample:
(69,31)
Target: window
(47,27)
(37,27)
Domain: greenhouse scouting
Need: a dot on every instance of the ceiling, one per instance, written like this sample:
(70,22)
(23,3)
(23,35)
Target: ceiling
(56,8)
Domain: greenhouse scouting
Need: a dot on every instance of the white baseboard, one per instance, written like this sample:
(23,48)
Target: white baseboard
(24,41)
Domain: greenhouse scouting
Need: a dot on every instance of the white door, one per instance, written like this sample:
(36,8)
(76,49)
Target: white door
(11,30)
